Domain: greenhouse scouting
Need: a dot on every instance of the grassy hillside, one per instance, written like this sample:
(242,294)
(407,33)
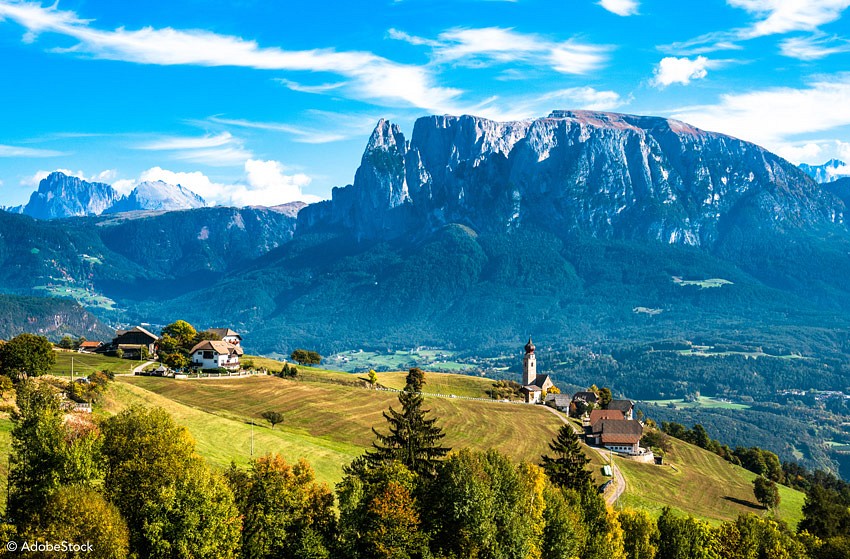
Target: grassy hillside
(441,383)
(326,422)
(87,363)
(329,423)
(700,483)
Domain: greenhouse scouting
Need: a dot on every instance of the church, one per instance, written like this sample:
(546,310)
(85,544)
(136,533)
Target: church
(533,385)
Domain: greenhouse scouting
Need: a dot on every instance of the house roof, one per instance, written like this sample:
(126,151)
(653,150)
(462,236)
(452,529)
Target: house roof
(541,380)
(119,333)
(531,388)
(218,346)
(224,332)
(622,405)
(91,344)
(618,431)
(561,400)
(586,396)
(597,416)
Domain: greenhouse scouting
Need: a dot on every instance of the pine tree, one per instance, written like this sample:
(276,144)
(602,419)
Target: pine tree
(413,439)
(569,467)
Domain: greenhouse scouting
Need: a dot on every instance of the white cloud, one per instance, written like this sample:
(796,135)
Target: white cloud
(497,45)
(265,184)
(773,117)
(17,151)
(300,134)
(813,47)
(221,150)
(773,17)
(586,98)
(783,16)
(370,77)
(269,186)
(103,176)
(620,7)
(681,70)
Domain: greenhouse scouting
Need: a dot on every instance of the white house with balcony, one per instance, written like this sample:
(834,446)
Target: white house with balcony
(215,354)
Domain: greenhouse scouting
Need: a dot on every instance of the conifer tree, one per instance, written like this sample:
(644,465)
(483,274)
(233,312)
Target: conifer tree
(568,469)
(413,438)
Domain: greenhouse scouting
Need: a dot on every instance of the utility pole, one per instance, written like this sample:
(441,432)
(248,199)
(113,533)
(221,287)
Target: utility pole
(72,368)
(252,437)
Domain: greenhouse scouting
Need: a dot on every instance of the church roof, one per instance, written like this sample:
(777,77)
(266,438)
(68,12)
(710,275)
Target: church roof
(540,381)
(529,347)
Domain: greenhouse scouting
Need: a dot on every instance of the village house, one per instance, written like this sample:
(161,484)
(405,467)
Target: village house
(215,354)
(89,346)
(533,385)
(227,335)
(560,402)
(134,343)
(625,406)
(619,435)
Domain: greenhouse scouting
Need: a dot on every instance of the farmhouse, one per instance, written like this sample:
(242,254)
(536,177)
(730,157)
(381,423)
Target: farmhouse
(214,354)
(532,384)
(89,346)
(133,342)
(560,402)
(227,335)
(625,406)
(619,435)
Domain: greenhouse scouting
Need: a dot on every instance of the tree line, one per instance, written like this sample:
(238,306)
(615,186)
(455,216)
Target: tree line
(134,485)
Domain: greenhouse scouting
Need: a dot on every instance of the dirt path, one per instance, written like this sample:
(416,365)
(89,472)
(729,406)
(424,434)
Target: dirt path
(140,368)
(619,485)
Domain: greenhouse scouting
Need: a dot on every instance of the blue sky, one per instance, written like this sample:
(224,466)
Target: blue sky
(262,102)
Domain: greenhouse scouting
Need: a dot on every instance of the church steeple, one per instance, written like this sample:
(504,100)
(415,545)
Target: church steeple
(529,364)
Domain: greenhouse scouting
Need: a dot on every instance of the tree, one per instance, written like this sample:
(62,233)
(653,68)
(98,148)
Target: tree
(766,492)
(639,534)
(67,342)
(568,469)
(78,515)
(174,505)
(175,361)
(183,332)
(605,396)
(36,460)
(305,357)
(413,438)
(564,534)
(286,513)
(119,353)
(684,538)
(373,378)
(378,513)
(26,355)
(273,417)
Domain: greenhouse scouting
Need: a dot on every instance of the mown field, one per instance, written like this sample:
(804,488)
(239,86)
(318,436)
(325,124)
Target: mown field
(441,383)
(87,363)
(325,422)
(700,483)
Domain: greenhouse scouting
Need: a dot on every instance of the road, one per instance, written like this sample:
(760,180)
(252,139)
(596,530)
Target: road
(619,485)
(140,368)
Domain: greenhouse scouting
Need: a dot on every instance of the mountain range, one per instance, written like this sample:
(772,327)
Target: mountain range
(471,234)
(832,170)
(60,196)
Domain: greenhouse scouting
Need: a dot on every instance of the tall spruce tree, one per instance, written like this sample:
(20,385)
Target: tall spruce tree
(568,469)
(413,439)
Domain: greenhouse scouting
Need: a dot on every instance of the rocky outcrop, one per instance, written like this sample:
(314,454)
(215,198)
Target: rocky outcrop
(601,174)
(59,196)
(158,195)
(832,170)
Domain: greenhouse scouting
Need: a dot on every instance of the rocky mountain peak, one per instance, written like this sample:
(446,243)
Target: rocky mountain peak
(59,195)
(603,174)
